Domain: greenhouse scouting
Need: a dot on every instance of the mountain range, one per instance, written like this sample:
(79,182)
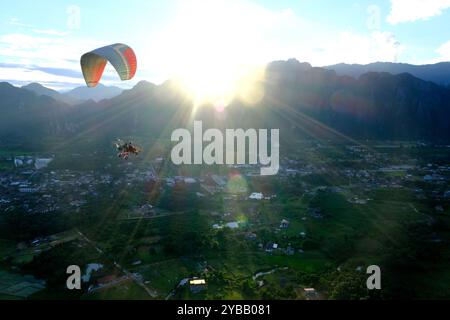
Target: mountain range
(98,93)
(76,95)
(44,91)
(301,100)
(438,73)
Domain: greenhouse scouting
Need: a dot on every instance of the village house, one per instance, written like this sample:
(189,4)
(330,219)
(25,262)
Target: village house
(310,293)
(197,285)
(284,224)
(256,196)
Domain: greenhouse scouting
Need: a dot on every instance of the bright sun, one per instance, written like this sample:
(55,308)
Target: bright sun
(212,51)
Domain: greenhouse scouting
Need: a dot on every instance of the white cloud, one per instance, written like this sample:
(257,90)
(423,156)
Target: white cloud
(221,32)
(50,32)
(443,54)
(16,22)
(24,75)
(228,33)
(74,17)
(444,51)
(413,10)
(33,55)
(43,51)
(348,47)
(258,35)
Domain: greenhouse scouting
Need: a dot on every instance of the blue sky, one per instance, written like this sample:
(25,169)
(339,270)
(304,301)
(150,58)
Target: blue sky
(44,43)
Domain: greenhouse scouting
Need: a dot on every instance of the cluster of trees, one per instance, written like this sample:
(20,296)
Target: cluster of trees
(21,226)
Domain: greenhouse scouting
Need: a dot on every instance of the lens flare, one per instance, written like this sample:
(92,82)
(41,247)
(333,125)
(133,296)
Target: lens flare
(236,184)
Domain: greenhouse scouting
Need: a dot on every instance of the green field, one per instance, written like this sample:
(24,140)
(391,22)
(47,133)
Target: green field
(17,286)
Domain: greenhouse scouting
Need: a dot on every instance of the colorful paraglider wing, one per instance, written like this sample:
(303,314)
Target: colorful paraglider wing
(119,55)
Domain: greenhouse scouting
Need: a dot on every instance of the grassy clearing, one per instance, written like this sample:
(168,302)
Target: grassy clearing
(123,291)
(17,286)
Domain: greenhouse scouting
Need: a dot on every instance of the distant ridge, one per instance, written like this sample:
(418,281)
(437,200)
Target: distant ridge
(44,91)
(438,73)
(98,93)
(301,100)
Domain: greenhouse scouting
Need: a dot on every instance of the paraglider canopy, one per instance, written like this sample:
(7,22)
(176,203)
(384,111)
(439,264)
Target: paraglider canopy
(121,56)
